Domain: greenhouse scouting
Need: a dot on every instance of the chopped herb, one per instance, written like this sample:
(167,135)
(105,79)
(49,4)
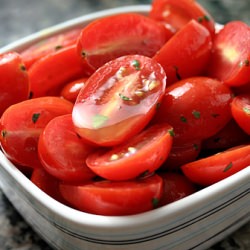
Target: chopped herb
(196,114)
(155,202)
(22,67)
(244,63)
(178,76)
(246,110)
(3,133)
(200,19)
(58,47)
(125,98)
(143,174)
(35,117)
(136,64)
(99,120)
(206,18)
(228,167)
(171,132)
(183,119)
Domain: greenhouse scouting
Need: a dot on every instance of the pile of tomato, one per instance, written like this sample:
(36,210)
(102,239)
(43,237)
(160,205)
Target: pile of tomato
(130,112)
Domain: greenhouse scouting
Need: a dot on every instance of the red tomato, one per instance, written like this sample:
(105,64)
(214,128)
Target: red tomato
(71,90)
(144,153)
(182,153)
(214,168)
(187,53)
(229,136)
(230,61)
(241,111)
(62,152)
(119,100)
(122,34)
(114,197)
(175,187)
(54,70)
(49,45)
(47,183)
(177,14)
(14,80)
(196,107)
(22,123)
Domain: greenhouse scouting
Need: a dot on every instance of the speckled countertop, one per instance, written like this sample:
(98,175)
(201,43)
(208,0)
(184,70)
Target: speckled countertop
(19,18)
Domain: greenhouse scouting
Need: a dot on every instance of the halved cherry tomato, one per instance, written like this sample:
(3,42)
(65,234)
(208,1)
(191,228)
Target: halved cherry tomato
(196,107)
(175,187)
(62,152)
(47,183)
(230,61)
(119,100)
(49,45)
(71,90)
(241,111)
(115,197)
(14,80)
(54,70)
(229,136)
(187,53)
(177,14)
(144,153)
(123,34)
(22,123)
(214,168)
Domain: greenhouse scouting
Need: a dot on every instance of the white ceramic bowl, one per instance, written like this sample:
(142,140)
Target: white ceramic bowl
(195,222)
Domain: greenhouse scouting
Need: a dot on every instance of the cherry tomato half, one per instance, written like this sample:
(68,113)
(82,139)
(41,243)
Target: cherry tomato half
(241,111)
(187,53)
(196,107)
(177,14)
(62,152)
(214,168)
(123,34)
(115,197)
(119,100)
(144,153)
(22,123)
(230,60)
(14,80)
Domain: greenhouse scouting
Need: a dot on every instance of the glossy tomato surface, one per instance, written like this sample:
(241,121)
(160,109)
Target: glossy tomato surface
(62,152)
(115,197)
(142,154)
(119,100)
(22,123)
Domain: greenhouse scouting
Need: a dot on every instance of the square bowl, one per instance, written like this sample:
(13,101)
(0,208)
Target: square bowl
(194,222)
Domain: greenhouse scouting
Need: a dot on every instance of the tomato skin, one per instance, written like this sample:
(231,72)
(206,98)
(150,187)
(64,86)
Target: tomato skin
(181,60)
(119,100)
(230,60)
(144,153)
(22,123)
(71,90)
(123,34)
(180,13)
(115,198)
(241,111)
(49,45)
(212,169)
(196,107)
(14,80)
(62,152)
(54,70)
(175,187)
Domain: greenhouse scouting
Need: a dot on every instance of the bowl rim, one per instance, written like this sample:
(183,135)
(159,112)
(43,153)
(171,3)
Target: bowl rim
(113,222)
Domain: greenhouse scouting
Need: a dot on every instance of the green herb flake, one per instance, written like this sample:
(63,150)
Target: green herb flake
(206,18)
(3,133)
(22,67)
(98,120)
(155,202)
(125,98)
(246,110)
(35,117)
(144,174)
(136,64)
(183,119)
(228,167)
(196,114)
(171,132)
(244,63)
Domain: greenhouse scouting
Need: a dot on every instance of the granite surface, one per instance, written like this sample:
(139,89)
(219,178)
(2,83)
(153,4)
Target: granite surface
(19,18)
